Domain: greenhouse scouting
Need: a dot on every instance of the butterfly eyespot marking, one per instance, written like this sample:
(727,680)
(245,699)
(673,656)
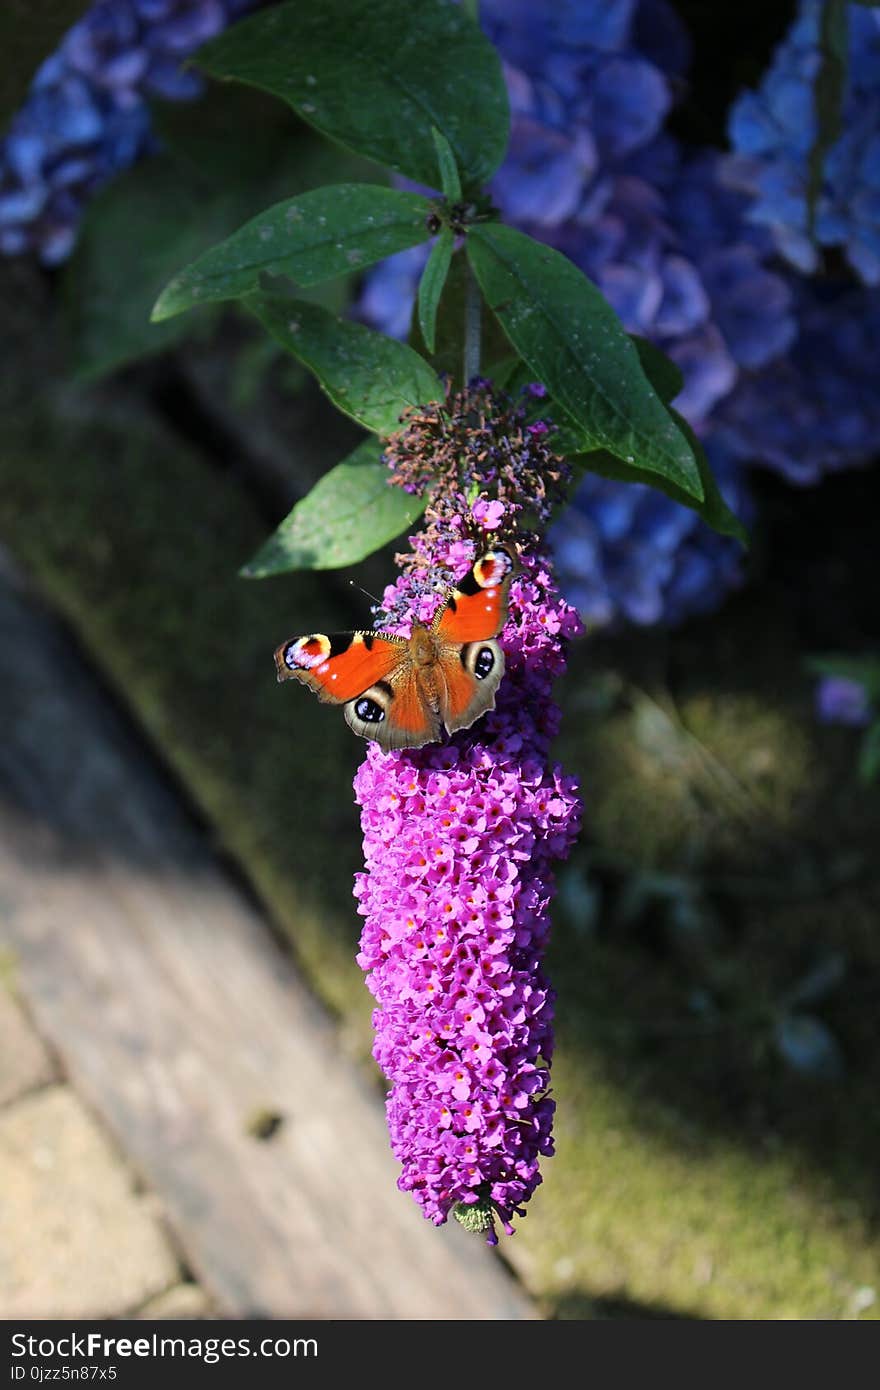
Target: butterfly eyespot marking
(484,663)
(308,652)
(368,710)
(493,568)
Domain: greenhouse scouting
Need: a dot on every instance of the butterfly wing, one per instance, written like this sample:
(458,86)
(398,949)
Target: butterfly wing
(372,675)
(396,712)
(471,662)
(341,665)
(477,607)
(470,676)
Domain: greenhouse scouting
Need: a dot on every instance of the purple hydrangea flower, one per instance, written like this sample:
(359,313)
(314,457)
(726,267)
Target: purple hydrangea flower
(772,132)
(459,842)
(842,700)
(86,117)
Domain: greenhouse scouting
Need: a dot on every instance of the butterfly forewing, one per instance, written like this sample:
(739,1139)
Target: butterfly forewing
(477,607)
(341,665)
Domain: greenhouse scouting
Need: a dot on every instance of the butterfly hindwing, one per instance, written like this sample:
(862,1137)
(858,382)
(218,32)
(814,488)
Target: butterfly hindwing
(476,608)
(471,675)
(395,712)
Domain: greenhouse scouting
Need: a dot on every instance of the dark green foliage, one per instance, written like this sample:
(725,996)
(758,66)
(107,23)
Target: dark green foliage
(378,76)
(368,376)
(431,286)
(828,93)
(310,238)
(349,513)
(574,343)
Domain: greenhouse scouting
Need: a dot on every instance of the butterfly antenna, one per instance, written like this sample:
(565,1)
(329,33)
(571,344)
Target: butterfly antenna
(366,593)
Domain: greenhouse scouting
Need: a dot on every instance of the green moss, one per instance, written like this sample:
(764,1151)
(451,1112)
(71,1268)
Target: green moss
(705,776)
(694,1175)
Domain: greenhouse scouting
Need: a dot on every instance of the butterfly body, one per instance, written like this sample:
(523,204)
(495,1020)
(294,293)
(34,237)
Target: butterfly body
(403,692)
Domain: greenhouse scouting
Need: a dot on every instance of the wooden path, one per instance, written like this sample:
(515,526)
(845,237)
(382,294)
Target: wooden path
(181,1022)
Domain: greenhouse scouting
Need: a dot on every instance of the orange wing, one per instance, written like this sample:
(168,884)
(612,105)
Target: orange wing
(477,608)
(341,666)
(396,713)
(471,675)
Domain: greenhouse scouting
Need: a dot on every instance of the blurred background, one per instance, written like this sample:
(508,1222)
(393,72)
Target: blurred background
(716,943)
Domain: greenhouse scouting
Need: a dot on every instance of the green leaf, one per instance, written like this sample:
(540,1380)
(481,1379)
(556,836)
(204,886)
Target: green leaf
(377,76)
(370,377)
(349,513)
(661,371)
(310,238)
(869,753)
(449,179)
(829,87)
(504,373)
(431,285)
(664,375)
(574,343)
(712,507)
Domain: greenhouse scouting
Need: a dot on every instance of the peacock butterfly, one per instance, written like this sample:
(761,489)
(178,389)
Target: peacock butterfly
(403,692)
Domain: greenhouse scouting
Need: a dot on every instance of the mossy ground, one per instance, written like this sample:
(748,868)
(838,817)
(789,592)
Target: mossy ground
(727,849)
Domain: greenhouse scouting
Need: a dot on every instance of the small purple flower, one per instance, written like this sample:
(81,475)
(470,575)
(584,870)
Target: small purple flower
(842,700)
(489,515)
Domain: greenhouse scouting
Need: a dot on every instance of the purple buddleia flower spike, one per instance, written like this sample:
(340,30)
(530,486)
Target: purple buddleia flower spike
(460,839)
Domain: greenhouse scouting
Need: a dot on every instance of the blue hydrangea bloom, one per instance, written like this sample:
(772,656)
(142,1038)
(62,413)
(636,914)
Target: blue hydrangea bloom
(626,553)
(817,408)
(772,131)
(86,116)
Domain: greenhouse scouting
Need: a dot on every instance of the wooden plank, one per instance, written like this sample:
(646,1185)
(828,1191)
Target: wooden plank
(25,1064)
(179,1018)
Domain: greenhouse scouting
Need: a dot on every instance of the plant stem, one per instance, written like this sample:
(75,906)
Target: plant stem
(472,325)
(472,301)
